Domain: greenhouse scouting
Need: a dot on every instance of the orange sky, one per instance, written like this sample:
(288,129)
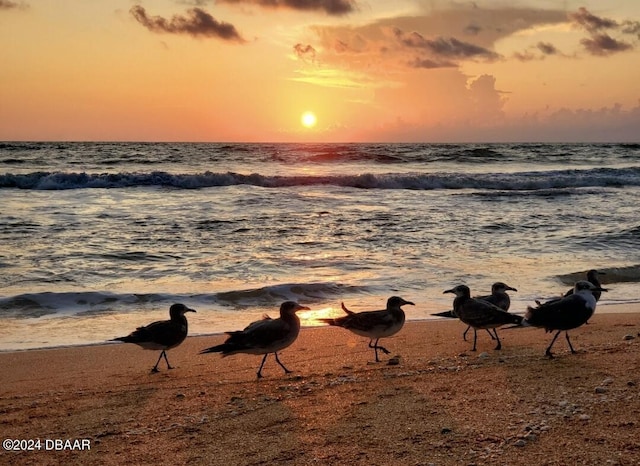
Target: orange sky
(374,70)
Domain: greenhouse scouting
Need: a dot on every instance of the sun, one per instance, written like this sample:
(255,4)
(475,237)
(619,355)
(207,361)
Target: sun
(308,119)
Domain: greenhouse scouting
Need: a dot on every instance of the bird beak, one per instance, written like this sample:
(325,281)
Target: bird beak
(511,288)
(448,291)
(190,310)
(407,302)
(598,288)
(302,308)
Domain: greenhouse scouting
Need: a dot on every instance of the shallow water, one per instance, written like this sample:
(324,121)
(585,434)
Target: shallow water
(100,238)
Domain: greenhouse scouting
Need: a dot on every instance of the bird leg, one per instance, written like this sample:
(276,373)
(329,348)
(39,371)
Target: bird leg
(464,335)
(155,368)
(475,339)
(548,352)
(569,341)
(499,345)
(491,335)
(262,364)
(286,371)
(169,366)
(376,348)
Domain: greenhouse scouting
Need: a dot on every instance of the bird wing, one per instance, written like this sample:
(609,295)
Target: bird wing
(368,320)
(482,314)
(501,300)
(261,334)
(568,312)
(164,333)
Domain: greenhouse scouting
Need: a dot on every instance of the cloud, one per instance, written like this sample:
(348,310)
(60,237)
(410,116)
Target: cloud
(10,5)
(434,38)
(198,23)
(444,47)
(631,27)
(429,64)
(599,42)
(603,44)
(591,22)
(547,48)
(330,7)
(305,52)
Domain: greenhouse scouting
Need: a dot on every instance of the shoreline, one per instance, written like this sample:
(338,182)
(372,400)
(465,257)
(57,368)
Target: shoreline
(441,404)
(612,308)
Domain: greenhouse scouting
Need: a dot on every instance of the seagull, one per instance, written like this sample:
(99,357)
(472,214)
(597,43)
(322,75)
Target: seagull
(564,314)
(592,277)
(479,313)
(373,324)
(498,297)
(161,335)
(264,336)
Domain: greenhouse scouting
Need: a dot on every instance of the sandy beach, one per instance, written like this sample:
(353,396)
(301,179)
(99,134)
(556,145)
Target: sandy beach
(441,404)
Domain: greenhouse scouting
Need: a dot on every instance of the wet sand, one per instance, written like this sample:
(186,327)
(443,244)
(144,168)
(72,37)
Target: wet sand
(440,404)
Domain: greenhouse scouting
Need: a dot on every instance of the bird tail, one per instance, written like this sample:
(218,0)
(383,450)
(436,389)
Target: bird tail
(127,339)
(328,320)
(519,322)
(344,308)
(449,314)
(223,348)
(337,321)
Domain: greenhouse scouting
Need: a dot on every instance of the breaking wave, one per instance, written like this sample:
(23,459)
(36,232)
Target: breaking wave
(532,180)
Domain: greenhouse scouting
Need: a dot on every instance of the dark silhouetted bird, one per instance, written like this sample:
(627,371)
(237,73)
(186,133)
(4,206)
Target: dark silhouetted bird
(373,324)
(592,277)
(162,335)
(564,314)
(480,314)
(264,336)
(498,297)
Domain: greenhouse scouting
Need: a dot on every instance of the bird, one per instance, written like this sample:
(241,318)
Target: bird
(162,335)
(564,314)
(264,336)
(479,313)
(498,297)
(373,324)
(592,277)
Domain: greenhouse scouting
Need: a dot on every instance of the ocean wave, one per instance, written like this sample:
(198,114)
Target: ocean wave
(54,304)
(628,274)
(530,181)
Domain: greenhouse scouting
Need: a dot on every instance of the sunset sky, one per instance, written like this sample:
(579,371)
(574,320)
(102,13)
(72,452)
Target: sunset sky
(368,70)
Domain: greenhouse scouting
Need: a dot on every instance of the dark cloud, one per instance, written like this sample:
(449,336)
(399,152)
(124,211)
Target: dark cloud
(591,22)
(429,64)
(444,47)
(330,7)
(304,52)
(472,29)
(525,56)
(10,5)
(631,27)
(197,23)
(547,48)
(603,44)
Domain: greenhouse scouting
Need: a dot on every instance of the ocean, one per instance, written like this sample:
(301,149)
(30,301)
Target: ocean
(100,238)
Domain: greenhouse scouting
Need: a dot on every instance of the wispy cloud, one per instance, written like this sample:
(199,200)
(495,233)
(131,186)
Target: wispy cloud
(10,5)
(591,22)
(330,7)
(600,42)
(197,23)
(447,47)
(603,44)
(304,52)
